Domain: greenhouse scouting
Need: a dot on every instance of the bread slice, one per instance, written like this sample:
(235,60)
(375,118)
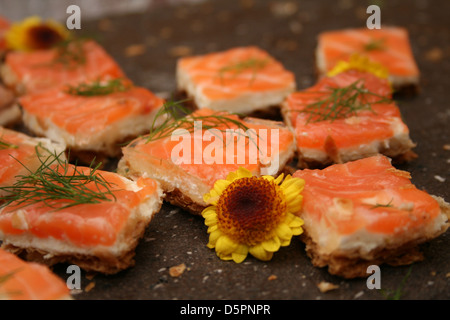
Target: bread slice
(23,280)
(364,213)
(20,154)
(185,183)
(10,113)
(328,130)
(99,237)
(241,80)
(95,125)
(39,70)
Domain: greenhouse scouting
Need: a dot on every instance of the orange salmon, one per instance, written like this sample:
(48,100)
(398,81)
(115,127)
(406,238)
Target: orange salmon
(20,153)
(106,231)
(97,123)
(20,280)
(39,70)
(366,212)
(388,46)
(240,80)
(328,130)
(191,161)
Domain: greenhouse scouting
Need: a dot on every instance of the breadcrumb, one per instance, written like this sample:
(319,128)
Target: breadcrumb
(178,270)
(327,286)
(272,277)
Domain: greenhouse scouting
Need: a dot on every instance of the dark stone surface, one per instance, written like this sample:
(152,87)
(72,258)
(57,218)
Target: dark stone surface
(288,30)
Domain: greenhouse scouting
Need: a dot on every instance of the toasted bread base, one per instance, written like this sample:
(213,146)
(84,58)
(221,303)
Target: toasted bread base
(398,148)
(351,264)
(399,151)
(99,258)
(272,112)
(102,145)
(101,262)
(349,268)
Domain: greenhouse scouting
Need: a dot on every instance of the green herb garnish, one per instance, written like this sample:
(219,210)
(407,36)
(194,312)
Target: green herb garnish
(57,180)
(172,116)
(343,102)
(7,276)
(387,205)
(70,53)
(396,294)
(254,64)
(375,44)
(4,278)
(96,88)
(6,145)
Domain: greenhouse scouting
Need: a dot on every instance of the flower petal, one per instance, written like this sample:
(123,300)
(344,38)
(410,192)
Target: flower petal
(296,204)
(211,197)
(211,220)
(283,232)
(238,174)
(224,256)
(258,252)
(225,245)
(211,210)
(296,222)
(213,237)
(279,179)
(297,231)
(272,245)
(291,184)
(220,186)
(213,228)
(269,178)
(240,253)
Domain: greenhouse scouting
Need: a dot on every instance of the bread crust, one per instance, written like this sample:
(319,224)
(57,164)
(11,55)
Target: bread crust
(101,260)
(352,264)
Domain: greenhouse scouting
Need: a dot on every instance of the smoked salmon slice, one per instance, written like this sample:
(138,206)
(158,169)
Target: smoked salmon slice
(19,151)
(241,80)
(389,46)
(188,160)
(366,212)
(21,280)
(91,120)
(76,62)
(346,117)
(76,214)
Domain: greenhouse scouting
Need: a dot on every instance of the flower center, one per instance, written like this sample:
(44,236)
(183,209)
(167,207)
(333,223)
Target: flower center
(43,37)
(250,209)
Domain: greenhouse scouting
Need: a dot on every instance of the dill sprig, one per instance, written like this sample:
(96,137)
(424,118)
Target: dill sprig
(375,44)
(397,293)
(173,115)
(4,278)
(58,185)
(6,145)
(97,88)
(387,205)
(254,64)
(70,53)
(342,102)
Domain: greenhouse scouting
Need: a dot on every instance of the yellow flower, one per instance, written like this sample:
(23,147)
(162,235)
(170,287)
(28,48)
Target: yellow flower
(253,215)
(33,34)
(360,63)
